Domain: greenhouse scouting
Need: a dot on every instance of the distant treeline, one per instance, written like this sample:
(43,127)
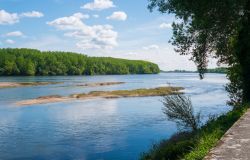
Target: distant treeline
(31,62)
(178,71)
(217,70)
(212,70)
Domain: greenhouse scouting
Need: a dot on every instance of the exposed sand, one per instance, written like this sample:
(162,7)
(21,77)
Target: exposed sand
(43,100)
(9,84)
(99,84)
(160,91)
(23,84)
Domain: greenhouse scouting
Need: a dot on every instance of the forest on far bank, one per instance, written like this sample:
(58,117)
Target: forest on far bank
(31,62)
(223,70)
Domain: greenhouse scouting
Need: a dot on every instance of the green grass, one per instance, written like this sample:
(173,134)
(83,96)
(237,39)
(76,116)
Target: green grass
(160,91)
(195,145)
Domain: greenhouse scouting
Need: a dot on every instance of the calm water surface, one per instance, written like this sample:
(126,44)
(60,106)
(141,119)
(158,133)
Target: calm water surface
(101,128)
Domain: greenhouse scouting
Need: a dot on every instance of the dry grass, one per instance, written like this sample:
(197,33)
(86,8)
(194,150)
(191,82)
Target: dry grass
(160,91)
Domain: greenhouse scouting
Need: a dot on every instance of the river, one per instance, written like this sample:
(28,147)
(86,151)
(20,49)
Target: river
(99,128)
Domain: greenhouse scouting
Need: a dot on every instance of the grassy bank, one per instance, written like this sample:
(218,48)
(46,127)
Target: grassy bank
(195,145)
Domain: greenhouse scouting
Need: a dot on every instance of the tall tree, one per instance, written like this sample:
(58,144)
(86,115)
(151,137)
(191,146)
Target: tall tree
(213,28)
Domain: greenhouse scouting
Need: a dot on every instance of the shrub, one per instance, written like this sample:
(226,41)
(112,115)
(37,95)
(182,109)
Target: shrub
(179,108)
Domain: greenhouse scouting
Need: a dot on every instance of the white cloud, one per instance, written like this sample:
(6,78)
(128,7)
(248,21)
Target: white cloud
(73,22)
(96,16)
(120,16)
(165,26)
(8,18)
(14,34)
(81,16)
(12,18)
(32,14)
(99,5)
(9,41)
(89,37)
(151,47)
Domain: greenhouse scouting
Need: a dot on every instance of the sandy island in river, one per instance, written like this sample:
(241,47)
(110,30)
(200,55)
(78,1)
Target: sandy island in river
(27,84)
(99,84)
(24,84)
(159,91)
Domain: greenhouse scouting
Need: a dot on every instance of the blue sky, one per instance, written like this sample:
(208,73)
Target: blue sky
(118,28)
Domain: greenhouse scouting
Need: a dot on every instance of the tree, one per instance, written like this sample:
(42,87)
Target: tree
(29,68)
(31,62)
(10,68)
(213,28)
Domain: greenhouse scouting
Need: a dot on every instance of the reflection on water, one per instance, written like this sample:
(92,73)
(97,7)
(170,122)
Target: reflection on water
(100,128)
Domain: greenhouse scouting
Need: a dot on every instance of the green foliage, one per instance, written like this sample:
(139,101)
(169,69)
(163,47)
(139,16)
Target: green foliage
(209,70)
(214,28)
(159,91)
(31,62)
(235,87)
(171,149)
(217,70)
(194,145)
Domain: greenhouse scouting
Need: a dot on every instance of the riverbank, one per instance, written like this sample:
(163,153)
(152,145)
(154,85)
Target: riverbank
(235,143)
(159,91)
(195,145)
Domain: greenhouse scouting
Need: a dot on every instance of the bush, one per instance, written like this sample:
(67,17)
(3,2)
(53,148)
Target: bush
(179,108)
(170,149)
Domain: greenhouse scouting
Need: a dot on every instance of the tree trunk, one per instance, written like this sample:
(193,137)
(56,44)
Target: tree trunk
(243,53)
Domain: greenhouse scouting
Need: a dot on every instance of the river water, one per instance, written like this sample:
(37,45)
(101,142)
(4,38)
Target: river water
(99,128)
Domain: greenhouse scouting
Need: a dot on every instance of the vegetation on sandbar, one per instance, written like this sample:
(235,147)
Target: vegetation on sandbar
(30,62)
(160,91)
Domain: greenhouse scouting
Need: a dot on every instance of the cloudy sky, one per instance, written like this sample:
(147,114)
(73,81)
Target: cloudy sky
(117,28)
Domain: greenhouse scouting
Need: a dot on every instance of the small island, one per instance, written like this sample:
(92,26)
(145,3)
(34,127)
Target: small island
(99,84)
(159,91)
(24,84)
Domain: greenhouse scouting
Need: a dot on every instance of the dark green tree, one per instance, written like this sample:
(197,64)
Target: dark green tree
(213,28)
(29,68)
(29,62)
